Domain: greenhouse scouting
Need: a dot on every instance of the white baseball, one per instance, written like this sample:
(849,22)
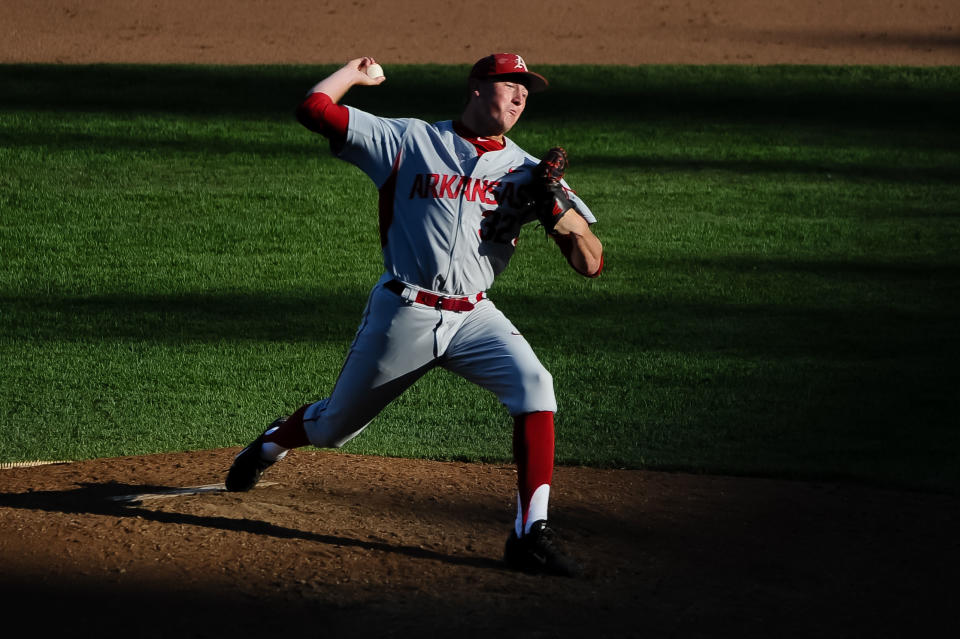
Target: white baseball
(375,71)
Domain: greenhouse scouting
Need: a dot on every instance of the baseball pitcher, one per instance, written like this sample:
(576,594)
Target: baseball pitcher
(453,197)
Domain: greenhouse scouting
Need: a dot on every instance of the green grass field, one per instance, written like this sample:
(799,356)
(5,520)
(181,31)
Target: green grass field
(180,262)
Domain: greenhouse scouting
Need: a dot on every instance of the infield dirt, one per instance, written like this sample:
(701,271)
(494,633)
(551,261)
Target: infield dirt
(347,545)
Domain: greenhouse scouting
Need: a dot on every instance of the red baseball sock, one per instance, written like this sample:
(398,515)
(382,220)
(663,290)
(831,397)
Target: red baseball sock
(533,442)
(290,434)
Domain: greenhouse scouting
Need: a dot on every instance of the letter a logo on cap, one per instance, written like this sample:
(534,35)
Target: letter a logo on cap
(498,65)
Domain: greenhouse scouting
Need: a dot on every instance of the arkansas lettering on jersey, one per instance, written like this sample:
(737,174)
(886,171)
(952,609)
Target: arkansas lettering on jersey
(435,185)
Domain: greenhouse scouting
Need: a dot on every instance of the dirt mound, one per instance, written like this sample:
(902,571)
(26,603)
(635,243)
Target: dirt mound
(391,547)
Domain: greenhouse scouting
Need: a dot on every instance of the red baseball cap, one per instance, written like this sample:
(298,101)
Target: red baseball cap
(506,65)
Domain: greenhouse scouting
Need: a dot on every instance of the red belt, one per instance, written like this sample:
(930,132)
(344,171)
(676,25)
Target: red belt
(438,302)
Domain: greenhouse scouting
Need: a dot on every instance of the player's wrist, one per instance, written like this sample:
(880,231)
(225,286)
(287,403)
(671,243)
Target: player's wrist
(566,224)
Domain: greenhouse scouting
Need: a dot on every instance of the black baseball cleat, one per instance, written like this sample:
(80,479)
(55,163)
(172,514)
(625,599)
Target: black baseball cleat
(539,552)
(248,466)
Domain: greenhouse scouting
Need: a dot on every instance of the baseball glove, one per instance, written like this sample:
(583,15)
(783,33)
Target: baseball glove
(548,198)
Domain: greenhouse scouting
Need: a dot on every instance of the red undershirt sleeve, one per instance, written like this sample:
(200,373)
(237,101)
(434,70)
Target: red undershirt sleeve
(322,115)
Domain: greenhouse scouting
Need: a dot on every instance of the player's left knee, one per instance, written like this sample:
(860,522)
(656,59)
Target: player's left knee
(539,380)
(535,393)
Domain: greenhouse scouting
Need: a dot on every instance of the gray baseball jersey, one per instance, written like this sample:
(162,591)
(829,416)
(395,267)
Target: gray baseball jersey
(449,218)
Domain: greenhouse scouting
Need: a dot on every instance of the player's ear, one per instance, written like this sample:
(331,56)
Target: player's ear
(473,90)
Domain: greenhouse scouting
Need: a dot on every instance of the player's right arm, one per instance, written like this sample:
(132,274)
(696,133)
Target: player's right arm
(369,142)
(346,77)
(320,112)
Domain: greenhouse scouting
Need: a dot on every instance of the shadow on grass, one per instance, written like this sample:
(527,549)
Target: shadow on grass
(826,168)
(191,318)
(861,108)
(309,145)
(809,325)
(908,97)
